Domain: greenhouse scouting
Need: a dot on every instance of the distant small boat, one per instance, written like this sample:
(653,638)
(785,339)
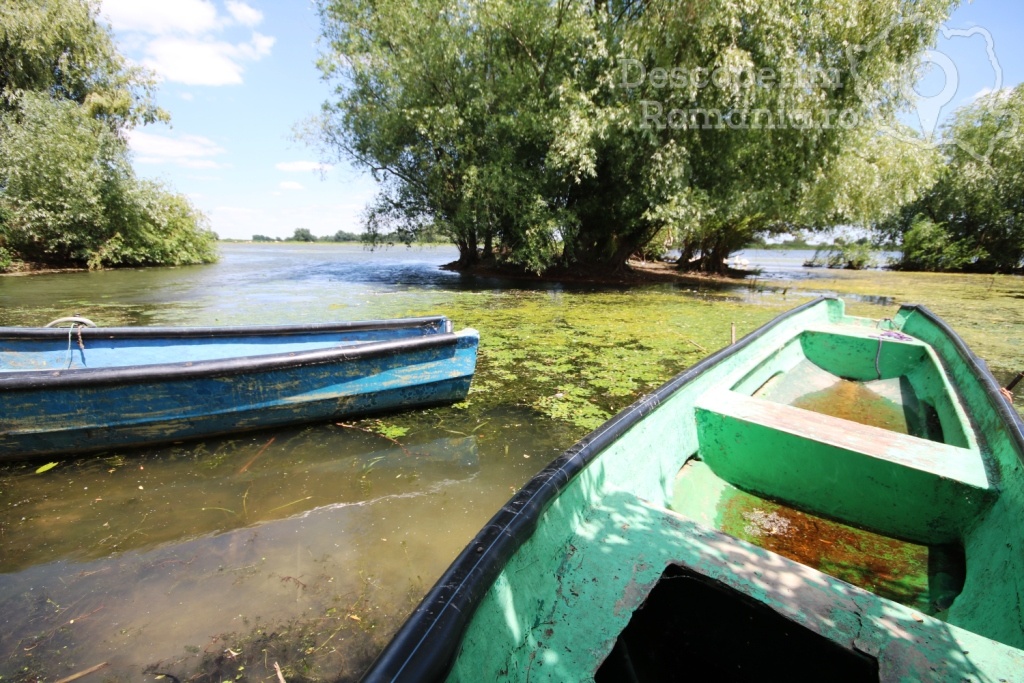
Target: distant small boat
(85,389)
(832,498)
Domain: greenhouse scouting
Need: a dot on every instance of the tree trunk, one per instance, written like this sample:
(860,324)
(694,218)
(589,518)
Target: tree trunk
(488,246)
(468,256)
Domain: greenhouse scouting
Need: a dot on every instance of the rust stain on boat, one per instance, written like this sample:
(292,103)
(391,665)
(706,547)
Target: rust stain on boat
(891,568)
(856,402)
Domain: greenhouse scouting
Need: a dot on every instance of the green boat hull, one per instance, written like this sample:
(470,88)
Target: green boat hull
(832,498)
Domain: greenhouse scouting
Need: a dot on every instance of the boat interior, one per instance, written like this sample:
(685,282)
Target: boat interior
(834,498)
(846,451)
(819,504)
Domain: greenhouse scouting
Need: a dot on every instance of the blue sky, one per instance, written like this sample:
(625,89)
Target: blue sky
(237,76)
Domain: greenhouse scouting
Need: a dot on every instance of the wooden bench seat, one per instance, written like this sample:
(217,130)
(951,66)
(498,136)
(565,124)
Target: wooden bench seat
(897,484)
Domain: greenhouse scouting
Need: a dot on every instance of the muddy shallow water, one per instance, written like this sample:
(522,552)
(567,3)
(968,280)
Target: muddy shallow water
(306,547)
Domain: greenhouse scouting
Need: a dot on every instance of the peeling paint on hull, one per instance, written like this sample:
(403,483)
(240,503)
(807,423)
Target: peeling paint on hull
(313,373)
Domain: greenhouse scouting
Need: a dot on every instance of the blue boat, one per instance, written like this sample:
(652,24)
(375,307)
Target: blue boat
(85,389)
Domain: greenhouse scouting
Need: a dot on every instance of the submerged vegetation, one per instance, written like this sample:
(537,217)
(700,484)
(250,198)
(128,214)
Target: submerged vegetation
(582,357)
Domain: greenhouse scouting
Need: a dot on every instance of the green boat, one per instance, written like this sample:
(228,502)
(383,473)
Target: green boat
(832,498)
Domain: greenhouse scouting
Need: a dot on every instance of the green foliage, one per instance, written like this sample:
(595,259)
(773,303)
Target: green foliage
(872,178)
(302,235)
(264,238)
(68,194)
(342,236)
(851,255)
(159,227)
(930,246)
(47,147)
(548,133)
(389,431)
(975,211)
(7,257)
(59,48)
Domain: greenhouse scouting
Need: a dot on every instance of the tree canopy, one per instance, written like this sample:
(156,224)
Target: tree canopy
(972,217)
(68,194)
(569,133)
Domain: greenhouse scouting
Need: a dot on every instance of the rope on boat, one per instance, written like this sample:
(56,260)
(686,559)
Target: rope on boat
(888,334)
(878,354)
(77,322)
(81,344)
(70,357)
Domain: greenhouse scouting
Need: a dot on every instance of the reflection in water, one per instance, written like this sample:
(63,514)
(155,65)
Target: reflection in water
(171,557)
(90,508)
(252,282)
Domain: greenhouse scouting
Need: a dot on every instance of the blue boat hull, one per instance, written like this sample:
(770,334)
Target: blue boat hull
(317,373)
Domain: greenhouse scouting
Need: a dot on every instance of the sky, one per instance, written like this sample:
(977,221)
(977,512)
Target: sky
(239,76)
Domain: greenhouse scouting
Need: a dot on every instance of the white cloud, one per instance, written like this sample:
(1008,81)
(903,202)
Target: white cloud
(302,166)
(1002,93)
(179,39)
(195,61)
(291,185)
(162,16)
(187,96)
(244,14)
(190,151)
(258,47)
(981,93)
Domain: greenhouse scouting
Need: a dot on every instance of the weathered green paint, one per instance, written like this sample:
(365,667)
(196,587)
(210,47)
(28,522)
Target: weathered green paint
(822,355)
(993,600)
(562,599)
(897,484)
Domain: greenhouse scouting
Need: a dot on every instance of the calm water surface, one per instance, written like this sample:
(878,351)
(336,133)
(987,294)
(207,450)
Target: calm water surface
(307,547)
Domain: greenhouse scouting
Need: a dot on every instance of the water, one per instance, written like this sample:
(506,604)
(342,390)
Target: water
(889,404)
(288,282)
(309,546)
(788,264)
(308,543)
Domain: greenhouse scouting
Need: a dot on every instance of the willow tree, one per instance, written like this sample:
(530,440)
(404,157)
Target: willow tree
(972,217)
(875,176)
(572,133)
(68,194)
